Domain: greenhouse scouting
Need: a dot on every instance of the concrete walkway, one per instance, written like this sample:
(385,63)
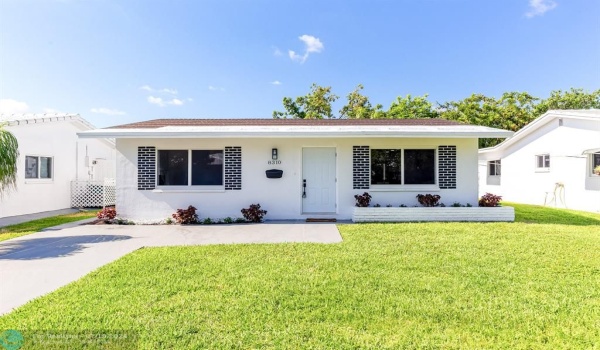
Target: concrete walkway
(13,220)
(36,264)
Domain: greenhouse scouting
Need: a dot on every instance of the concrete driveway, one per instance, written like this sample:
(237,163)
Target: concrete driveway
(36,264)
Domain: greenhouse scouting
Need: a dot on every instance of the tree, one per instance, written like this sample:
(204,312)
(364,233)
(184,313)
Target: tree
(411,108)
(315,105)
(359,107)
(512,111)
(9,154)
(572,99)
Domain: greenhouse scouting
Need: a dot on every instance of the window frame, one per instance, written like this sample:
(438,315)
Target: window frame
(38,177)
(591,158)
(403,186)
(545,159)
(497,166)
(189,186)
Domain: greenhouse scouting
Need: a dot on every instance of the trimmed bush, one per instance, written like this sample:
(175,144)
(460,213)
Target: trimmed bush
(363,200)
(428,200)
(108,213)
(489,200)
(186,216)
(254,213)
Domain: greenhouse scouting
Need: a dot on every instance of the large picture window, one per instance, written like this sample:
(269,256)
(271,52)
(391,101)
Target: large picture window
(179,168)
(419,167)
(386,166)
(38,167)
(397,167)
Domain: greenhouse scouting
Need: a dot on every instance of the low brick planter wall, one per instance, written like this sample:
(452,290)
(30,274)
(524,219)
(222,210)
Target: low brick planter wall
(475,214)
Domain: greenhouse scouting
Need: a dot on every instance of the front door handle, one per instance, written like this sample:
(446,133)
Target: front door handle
(304,188)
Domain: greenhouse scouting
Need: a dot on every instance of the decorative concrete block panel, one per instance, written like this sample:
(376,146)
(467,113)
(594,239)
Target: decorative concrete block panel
(447,167)
(360,167)
(146,164)
(419,214)
(233,168)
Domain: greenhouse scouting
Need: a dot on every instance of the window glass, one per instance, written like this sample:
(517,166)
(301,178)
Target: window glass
(495,167)
(386,166)
(543,161)
(45,168)
(419,167)
(31,167)
(595,160)
(172,167)
(207,167)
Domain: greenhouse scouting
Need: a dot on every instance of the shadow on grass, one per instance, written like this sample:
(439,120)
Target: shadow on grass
(53,247)
(532,214)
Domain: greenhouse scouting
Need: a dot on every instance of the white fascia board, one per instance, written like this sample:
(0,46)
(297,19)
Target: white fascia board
(302,132)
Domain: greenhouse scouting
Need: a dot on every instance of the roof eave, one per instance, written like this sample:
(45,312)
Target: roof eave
(121,133)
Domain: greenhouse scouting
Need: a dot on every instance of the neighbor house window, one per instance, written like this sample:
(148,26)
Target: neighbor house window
(38,167)
(542,161)
(494,168)
(398,166)
(185,167)
(595,161)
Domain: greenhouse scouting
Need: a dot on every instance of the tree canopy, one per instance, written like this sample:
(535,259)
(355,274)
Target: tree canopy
(9,154)
(511,111)
(314,105)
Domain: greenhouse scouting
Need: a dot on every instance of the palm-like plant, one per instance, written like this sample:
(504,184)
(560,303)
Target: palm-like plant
(9,154)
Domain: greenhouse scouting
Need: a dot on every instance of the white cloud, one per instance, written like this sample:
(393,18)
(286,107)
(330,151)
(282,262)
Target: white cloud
(311,45)
(163,91)
(107,111)
(156,101)
(162,103)
(277,52)
(275,82)
(539,7)
(169,91)
(215,88)
(10,106)
(147,88)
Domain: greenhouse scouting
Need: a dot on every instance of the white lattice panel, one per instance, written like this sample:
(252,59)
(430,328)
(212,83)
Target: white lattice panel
(88,194)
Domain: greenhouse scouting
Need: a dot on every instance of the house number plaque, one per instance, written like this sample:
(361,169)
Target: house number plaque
(274,162)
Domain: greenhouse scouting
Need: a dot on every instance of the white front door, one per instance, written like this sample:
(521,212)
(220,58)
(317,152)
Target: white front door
(318,180)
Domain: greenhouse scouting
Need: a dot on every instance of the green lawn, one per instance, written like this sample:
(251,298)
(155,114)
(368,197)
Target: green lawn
(534,283)
(8,232)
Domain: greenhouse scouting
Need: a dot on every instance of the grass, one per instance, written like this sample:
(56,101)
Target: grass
(534,283)
(12,231)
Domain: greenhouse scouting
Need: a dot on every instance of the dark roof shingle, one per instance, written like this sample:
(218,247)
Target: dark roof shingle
(159,123)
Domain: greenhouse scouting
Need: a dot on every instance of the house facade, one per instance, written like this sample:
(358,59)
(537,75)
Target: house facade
(551,161)
(51,156)
(296,169)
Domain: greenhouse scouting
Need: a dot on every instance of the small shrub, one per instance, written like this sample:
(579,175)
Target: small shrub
(403,206)
(377,205)
(389,206)
(363,200)
(443,205)
(456,205)
(121,221)
(254,213)
(108,213)
(186,216)
(228,220)
(208,221)
(489,200)
(240,220)
(469,205)
(169,221)
(428,200)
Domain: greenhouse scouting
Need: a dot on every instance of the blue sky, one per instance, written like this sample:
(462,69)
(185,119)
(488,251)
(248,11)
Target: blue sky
(116,62)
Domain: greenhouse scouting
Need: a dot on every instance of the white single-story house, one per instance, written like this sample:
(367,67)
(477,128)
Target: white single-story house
(51,156)
(550,161)
(295,169)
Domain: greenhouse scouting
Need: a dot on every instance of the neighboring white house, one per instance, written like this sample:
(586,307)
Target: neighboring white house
(50,157)
(221,166)
(550,161)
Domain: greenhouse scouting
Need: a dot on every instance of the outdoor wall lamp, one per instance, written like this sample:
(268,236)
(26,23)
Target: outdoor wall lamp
(274,153)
